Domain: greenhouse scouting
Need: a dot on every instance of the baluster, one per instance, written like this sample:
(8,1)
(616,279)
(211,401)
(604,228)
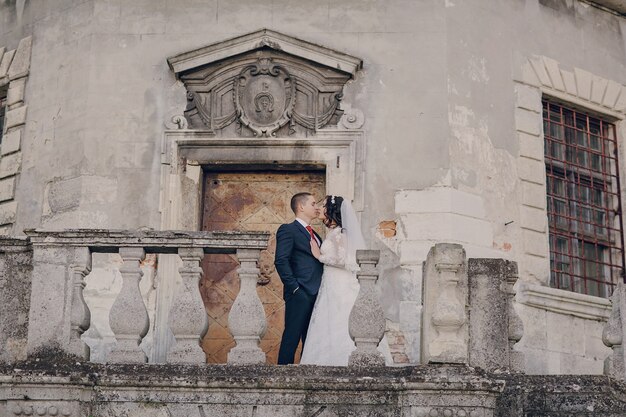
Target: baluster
(129,317)
(247,317)
(449,344)
(367,318)
(80,316)
(613,337)
(516,326)
(188,319)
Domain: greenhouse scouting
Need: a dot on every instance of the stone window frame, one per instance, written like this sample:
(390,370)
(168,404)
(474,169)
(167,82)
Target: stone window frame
(536,77)
(14,71)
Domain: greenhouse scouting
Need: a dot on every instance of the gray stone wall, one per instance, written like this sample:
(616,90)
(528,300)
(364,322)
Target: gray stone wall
(435,94)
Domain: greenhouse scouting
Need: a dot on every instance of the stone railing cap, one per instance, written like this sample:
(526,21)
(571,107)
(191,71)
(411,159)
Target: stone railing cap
(153,241)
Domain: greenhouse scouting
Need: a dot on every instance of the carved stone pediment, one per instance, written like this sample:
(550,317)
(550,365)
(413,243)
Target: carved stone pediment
(263,84)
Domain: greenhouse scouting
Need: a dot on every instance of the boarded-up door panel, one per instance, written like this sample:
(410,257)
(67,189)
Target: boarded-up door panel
(248,201)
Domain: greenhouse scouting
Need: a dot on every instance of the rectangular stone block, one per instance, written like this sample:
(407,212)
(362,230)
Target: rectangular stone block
(49,315)
(534,219)
(532,170)
(15,117)
(564,333)
(7,212)
(10,164)
(534,195)
(448,227)
(621,101)
(6,61)
(570,82)
(598,87)
(11,142)
(531,146)
(612,91)
(15,95)
(535,268)
(583,83)
(528,97)
(540,69)
(439,200)
(528,121)
(594,347)
(7,189)
(552,68)
(21,60)
(488,315)
(535,243)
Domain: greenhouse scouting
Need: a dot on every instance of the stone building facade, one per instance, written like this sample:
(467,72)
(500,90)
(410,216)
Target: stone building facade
(207,115)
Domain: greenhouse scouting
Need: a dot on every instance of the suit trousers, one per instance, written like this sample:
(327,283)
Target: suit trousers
(298,310)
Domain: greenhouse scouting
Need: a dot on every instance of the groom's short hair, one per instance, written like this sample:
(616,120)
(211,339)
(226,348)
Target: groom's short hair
(298,199)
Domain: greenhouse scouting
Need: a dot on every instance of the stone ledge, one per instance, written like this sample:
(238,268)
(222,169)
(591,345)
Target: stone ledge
(153,241)
(564,302)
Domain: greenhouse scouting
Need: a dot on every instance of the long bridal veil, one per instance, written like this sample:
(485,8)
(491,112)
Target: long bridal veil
(354,236)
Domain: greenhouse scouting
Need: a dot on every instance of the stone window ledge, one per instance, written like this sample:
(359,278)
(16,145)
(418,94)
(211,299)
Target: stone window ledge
(563,302)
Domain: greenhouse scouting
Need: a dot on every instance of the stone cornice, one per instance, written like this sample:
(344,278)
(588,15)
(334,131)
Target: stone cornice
(265,38)
(618,6)
(564,302)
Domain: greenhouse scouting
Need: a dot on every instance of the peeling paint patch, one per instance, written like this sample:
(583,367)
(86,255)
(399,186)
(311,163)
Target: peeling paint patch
(477,70)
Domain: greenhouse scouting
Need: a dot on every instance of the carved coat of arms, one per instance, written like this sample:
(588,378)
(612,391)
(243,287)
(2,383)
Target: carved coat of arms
(265,96)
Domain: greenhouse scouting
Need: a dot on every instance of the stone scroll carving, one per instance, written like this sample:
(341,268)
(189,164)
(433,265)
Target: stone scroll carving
(264,84)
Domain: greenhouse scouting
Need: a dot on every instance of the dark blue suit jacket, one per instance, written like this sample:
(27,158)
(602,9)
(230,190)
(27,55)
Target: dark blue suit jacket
(295,264)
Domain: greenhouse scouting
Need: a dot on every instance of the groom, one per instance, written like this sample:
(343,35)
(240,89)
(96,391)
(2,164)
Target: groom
(300,272)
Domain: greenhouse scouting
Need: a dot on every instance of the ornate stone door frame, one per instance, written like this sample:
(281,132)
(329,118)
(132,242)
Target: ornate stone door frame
(184,154)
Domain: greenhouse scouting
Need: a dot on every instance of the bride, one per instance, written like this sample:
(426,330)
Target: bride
(328,340)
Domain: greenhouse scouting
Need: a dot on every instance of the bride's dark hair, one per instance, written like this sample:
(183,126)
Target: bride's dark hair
(333,210)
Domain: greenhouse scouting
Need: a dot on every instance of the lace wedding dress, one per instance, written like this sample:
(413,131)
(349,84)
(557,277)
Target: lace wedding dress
(328,341)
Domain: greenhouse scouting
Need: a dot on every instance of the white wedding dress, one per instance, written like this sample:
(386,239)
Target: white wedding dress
(328,341)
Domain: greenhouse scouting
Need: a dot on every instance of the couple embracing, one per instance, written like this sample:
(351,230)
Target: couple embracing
(319,279)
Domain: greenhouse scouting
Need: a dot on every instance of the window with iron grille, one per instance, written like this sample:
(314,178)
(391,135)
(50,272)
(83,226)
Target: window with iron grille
(584,212)
(3,105)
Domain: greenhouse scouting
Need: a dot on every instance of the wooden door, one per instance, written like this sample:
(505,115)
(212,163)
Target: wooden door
(248,201)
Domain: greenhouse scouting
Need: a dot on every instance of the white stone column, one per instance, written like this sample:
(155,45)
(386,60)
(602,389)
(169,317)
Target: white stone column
(613,334)
(128,316)
(517,361)
(246,320)
(80,316)
(367,318)
(445,337)
(188,318)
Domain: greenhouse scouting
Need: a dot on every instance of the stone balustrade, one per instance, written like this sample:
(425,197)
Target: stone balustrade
(468,311)
(58,314)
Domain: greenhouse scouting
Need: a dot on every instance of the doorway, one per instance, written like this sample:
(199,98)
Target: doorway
(249,200)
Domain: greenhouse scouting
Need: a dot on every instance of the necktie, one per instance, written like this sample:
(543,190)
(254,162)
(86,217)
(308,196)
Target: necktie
(310,229)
